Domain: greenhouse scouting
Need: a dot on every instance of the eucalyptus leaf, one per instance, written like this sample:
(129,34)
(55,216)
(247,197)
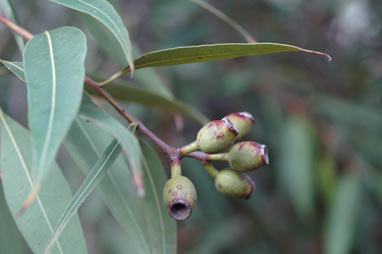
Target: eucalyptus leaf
(297,164)
(15,164)
(16,68)
(105,13)
(162,228)
(342,217)
(88,185)
(205,53)
(54,71)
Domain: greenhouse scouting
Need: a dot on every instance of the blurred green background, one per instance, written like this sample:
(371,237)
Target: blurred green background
(321,121)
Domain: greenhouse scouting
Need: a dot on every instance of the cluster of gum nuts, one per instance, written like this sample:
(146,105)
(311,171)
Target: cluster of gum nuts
(179,193)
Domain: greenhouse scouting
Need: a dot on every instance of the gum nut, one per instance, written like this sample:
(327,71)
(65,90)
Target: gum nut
(243,122)
(216,136)
(230,183)
(179,196)
(248,155)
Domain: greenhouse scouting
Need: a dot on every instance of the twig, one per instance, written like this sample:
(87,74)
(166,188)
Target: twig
(19,30)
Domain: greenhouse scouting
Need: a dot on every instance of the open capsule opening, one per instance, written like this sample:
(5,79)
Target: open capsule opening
(179,209)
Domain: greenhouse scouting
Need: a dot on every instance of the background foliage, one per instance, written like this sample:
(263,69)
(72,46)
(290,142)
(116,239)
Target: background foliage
(322,121)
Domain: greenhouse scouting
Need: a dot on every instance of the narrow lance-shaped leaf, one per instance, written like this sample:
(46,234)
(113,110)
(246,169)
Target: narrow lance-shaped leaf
(117,190)
(162,228)
(342,216)
(10,12)
(105,13)
(205,53)
(54,71)
(88,185)
(297,164)
(91,112)
(15,164)
(16,68)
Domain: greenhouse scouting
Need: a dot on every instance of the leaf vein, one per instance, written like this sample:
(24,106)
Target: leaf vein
(52,109)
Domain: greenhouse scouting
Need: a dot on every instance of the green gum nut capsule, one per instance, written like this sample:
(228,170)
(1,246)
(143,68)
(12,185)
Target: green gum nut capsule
(243,122)
(179,195)
(248,155)
(216,136)
(230,183)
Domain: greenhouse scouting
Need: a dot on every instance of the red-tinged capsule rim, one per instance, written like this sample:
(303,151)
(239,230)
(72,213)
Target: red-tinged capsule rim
(247,115)
(231,126)
(253,185)
(264,154)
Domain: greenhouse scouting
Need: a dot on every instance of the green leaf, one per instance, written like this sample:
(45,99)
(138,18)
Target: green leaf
(297,164)
(16,161)
(88,185)
(326,177)
(84,143)
(205,53)
(54,70)
(107,42)
(11,240)
(105,13)
(11,14)
(92,113)
(162,228)
(126,92)
(117,190)
(16,68)
(342,218)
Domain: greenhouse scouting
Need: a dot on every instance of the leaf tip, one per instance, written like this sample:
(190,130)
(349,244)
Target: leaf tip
(138,182)
(317,53)
(132,70)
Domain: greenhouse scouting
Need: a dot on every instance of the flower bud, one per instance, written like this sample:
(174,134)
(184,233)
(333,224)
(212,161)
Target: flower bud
(243,122)
(179,195)
(230,183)
(215,136)
(246,156)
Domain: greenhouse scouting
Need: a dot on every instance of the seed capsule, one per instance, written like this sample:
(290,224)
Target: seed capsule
(215,136)
(243,122)
(230,183)
(179,195)
(246,156)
